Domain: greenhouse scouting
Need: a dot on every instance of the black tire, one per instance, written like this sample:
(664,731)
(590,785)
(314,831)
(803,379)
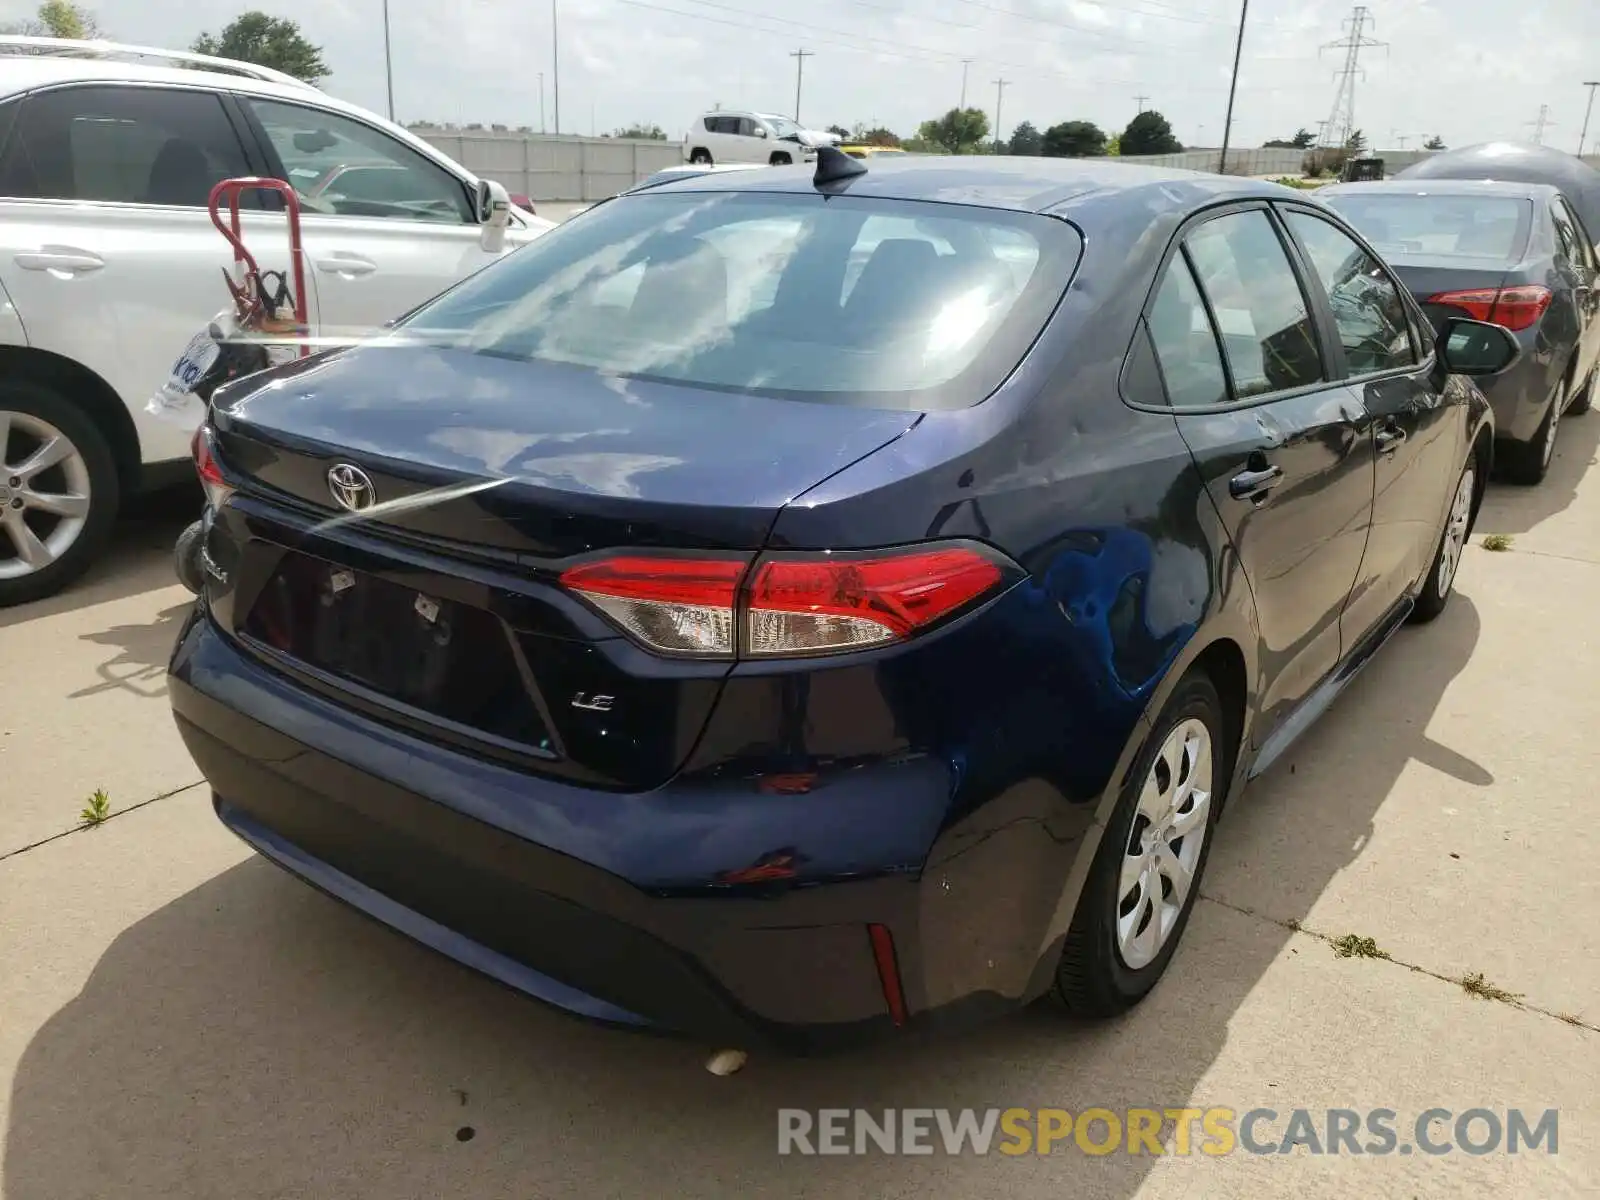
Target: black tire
(1527,463)
(779,160)
(42,404)
(1093,979)
(700,156)
(186,558)
(1431,597)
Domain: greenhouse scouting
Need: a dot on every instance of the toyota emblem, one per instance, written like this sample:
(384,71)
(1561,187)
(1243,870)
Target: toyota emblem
(352,489)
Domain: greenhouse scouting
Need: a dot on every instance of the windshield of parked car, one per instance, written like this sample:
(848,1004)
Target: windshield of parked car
(883,303)
(783,127)
(1483,228)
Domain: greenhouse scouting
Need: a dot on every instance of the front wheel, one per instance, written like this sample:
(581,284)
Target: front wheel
(1146,874)
(1439,583)
(58,492)
(779,160)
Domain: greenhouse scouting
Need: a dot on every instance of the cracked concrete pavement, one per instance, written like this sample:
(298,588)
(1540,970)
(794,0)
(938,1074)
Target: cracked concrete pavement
(177,1018)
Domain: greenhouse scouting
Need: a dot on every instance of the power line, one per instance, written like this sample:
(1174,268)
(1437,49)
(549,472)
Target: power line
(1342,119)
(799,57)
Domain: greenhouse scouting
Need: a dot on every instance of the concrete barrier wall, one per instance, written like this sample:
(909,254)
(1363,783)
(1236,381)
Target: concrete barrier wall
(552,168)
(546,167)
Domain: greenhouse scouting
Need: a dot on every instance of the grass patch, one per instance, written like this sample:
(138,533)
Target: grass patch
(1477,985)
(1353,945)
(1570,1018)
(96,809)
(1300,185)
(1498,541)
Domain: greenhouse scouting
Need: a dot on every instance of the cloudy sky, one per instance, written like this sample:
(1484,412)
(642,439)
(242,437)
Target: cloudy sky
(1461,69)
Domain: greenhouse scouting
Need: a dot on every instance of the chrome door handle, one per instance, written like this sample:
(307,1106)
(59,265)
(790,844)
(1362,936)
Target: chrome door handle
(1254,485)
(346,265)
(1389,438)
(59,259)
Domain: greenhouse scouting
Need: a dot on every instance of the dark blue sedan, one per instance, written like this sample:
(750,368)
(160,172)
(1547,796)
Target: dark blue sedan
(788,608)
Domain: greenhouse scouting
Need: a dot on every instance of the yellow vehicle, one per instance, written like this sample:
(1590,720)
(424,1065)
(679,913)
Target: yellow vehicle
(857,150)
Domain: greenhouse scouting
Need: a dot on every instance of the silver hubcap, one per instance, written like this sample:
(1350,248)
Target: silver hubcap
(44,494)
(1163,850)
(1455,533)
(1556,406)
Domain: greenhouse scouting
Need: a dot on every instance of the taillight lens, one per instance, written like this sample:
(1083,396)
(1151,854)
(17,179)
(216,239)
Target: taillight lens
(815,605)
(209,469)
(797,604)
(677,605)
(1516,308)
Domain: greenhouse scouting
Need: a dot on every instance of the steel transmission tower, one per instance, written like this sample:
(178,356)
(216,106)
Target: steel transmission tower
(1540,124)
(1342,119)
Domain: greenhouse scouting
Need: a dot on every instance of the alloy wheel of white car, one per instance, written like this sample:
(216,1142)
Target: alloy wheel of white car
(44,494)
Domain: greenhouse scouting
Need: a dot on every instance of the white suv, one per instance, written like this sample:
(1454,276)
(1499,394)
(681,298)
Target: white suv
(109,262)
(749,137)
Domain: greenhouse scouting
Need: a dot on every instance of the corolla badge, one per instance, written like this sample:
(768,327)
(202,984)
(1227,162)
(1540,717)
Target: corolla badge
(352,489)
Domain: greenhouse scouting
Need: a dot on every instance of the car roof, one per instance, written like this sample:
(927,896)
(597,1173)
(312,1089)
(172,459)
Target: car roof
(1444,187)
(1060,185)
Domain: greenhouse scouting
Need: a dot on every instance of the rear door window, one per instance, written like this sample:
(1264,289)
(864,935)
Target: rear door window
(1185,341)
(121,145)
(1575,240)
(1268,337)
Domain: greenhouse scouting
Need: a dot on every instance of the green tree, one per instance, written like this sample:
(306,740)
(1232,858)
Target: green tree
(1303,139)
(1114,147)
(1434,143)
(880,137)
(651,133)
(1149,133)
(1074,139)
(274,42)
(959,131)
(1025,139)
(58,19)
(1357,141)
(840,131)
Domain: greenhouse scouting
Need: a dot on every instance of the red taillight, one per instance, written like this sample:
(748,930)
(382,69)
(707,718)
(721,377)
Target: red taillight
(1516,307)
(679,605)
(798,604)
(819,605)
(209,469)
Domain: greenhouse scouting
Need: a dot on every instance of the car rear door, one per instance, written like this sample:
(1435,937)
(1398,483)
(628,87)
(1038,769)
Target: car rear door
(1278,440)
(106,247)
(373,259)
(1580,270)
(1417,437)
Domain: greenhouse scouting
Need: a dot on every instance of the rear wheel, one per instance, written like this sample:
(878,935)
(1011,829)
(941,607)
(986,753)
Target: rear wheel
(58,492)
(1528,462)
(1582,402)
(701,157)
(1146,874)
(1439,583)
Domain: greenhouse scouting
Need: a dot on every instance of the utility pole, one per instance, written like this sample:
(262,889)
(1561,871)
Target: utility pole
(1233,84)
(1583,137)
(1139,102)
(1342,118)
(555,65)
(799,57)
(999,97)
(1403,139)
(542,128)
(965,63)
(389,66)
(1540,124)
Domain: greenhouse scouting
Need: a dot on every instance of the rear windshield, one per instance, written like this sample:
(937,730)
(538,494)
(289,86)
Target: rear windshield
(881,303)
(1482,228)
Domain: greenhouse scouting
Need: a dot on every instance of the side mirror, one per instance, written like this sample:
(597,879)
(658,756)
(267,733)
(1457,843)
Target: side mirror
(761,131)
(494,214)
(1477,347)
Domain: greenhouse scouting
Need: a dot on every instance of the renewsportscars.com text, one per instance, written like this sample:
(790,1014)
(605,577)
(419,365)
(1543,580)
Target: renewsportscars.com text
(1169,1131)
